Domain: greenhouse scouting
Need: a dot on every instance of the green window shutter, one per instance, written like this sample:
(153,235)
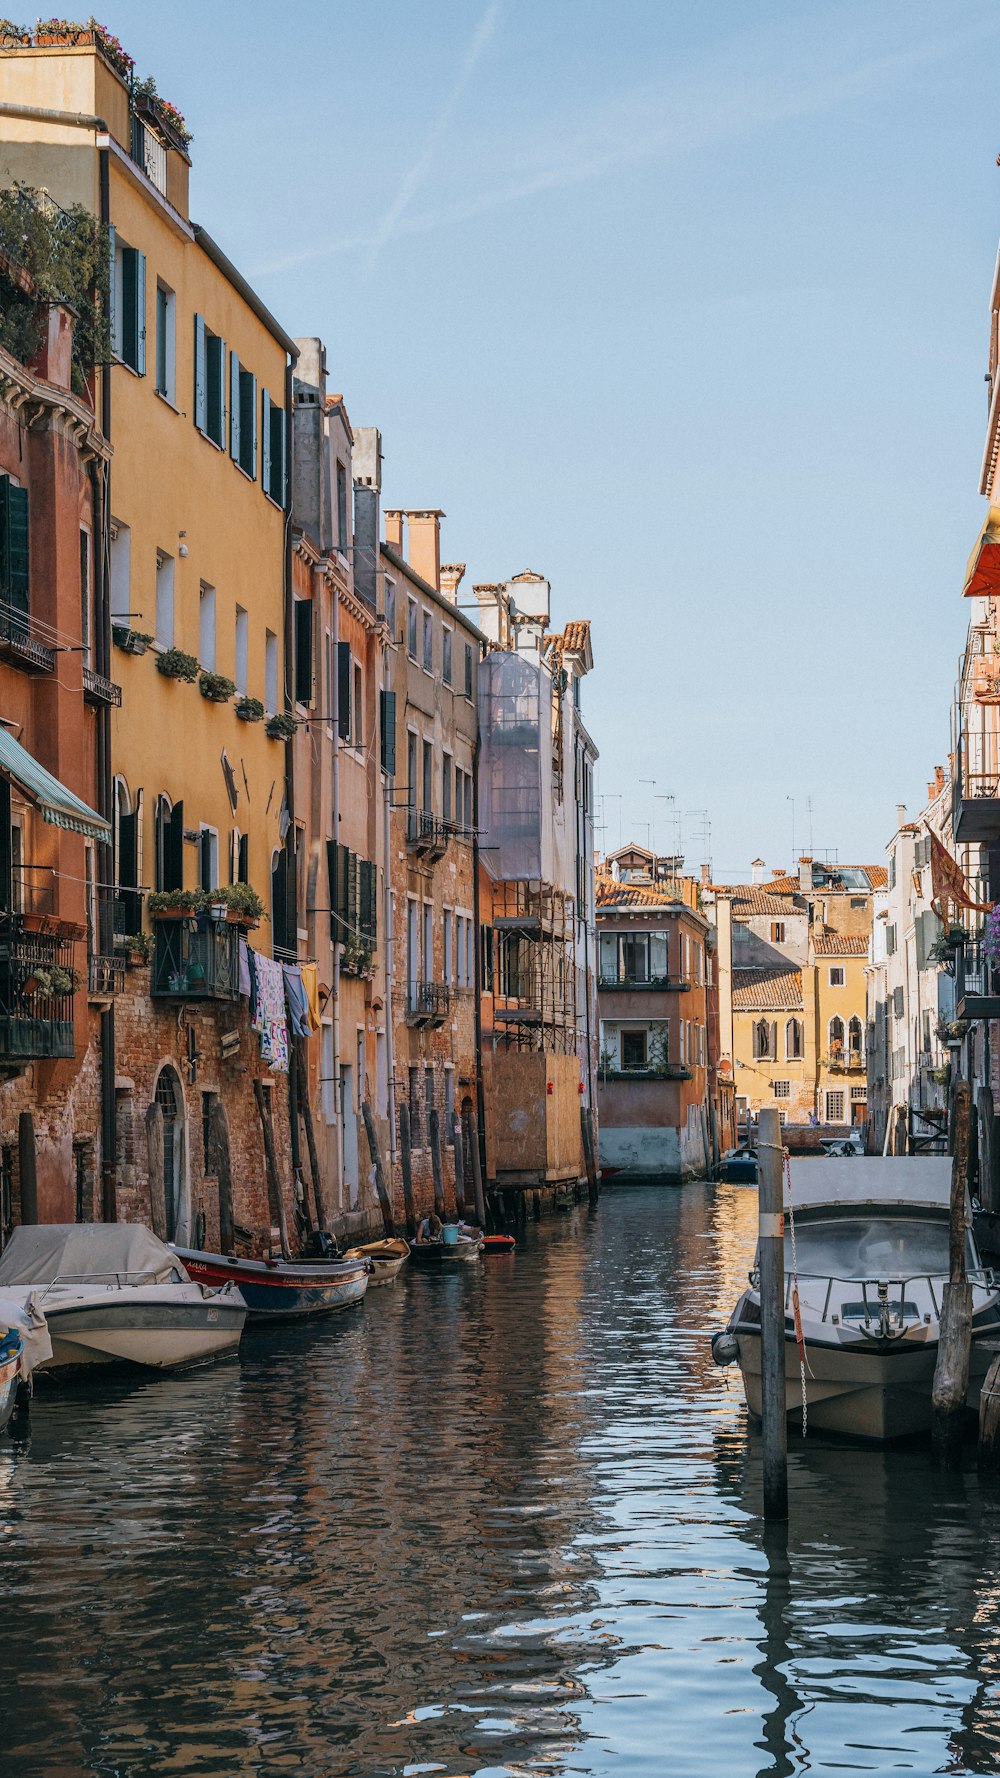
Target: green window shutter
(6,885)
(341,898)
(235,410)
(344,690)
(215,391)
(368,899)
(265,433)
(303,651)
(248,422)
(130,307)
(14,580)
(277,487)
(279,907)
(140,313)
(200,374)
(352,891)
(173,849)
(387,724)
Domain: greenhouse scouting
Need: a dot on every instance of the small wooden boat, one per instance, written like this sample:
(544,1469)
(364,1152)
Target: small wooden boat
(387,1259)
(739,1165)
(447,1253)
(497,1244)
(279,1289)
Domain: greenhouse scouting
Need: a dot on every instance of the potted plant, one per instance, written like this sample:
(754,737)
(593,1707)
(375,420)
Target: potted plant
(13,36)
(61,31)
(137,946)
(176,904)
(128,640)
(111,49)
(281,727)
(240,904)
(216,687)
(173,663)
(249,709)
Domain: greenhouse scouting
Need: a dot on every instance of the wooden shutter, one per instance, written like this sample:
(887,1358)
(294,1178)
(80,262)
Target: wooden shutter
(368,895)
(303,651)
(352,892)
(332,869)
(173,849)
(234,406)
(130,307)
(279,453)
(5,846)
(279,907)
(215,389)
(234,855)
(265,433)
(387,725)
(14,575)
(200,374)
(243,863)
(344,690)
(248,422)
(140,313)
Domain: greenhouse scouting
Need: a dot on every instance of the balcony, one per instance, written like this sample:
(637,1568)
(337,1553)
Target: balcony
(105,977)
(18,644)
(195,958)
(977,982)
(429,1004)
(426,835)
(849,1061)
(127,912)
(149,153)
(656,984)
(666,1071)
(36,992)
(98,690)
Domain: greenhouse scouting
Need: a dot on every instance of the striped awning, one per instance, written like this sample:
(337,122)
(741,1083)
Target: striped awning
(56,804)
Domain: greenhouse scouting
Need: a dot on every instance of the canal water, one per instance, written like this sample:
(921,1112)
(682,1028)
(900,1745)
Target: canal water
(503,1522)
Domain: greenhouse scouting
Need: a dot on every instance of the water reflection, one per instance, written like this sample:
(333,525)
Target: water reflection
(499,1523)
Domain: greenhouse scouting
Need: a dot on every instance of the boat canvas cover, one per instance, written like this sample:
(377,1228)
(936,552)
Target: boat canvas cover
(25,1313)
(42,1252)
(915,1180)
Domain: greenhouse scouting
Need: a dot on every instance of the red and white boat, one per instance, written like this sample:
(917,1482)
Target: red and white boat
(282,1289)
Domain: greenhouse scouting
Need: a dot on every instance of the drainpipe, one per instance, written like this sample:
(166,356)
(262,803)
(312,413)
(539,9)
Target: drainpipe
(338,1097)
(101,481)
(390,969)
(476,958)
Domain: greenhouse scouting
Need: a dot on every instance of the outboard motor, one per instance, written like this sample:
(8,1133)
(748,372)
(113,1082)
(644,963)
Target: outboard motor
(320,1244)
(725,1349)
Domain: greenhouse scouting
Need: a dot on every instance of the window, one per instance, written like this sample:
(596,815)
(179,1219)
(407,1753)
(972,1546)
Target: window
(270,672)
(836,976)
(468,671)
(121,573)
(793,1040)
(128,306)
(242,417)
(765,1044)
(449,1103)
(166,342)
(414,1104)
(242,649)
(892,870)
(274,450)
(428,778)
(633,1050)
(778,932)
(390,607)
(412,950)
(836,1035)
(343,534)
(448,954)
(206,627)
(858,901)
(428,1097)
(446,787)
(470,956)
(782,1089)
(358,734)
(834,1108)
(208,858)
(326,1080)
(86,615)
(890,941)
(428,642)
(239,857)
(855,1040)
(428,956)
(411,769)
(859,1095)
(164,601)
(635,957)
(460,924)
(303,628)
(209,383)
(446,656)
(411,628)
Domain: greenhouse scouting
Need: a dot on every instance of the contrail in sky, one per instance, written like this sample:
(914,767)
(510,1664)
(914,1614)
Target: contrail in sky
(418,172)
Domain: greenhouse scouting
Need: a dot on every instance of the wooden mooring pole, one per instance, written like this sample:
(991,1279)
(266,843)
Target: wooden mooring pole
(434,1137)
(951,1372)
(589,1157)
(406,1168)
(277,1202)
(771,1249)
(384,1200)
(458,1155)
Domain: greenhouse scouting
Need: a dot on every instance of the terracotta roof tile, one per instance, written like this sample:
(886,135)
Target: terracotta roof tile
(774,989)
(750,899)
(610,894)
(840,944)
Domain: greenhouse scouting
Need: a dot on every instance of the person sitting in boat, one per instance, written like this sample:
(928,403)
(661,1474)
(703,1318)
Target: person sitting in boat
(430,1228)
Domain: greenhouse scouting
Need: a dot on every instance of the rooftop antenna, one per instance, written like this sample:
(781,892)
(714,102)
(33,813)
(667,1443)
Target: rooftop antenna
(791,799)
(705,836)
(666,796)
(651,825)
(809,808)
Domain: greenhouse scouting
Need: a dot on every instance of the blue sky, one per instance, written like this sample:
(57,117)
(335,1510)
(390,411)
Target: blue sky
(685,306)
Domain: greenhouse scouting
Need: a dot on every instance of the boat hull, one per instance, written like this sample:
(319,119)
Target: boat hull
(878,1392)
(147,1333)
(445,1253)
(282,1291)
(10,1376)
(387,1259)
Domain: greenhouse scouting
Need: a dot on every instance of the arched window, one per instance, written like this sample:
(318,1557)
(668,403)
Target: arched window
(855,1039)
(127,835)
(161,830)
(765,1040)
(793,1040)
(836,1036)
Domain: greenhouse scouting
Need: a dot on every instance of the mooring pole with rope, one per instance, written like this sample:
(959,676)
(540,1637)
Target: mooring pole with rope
(771,1251)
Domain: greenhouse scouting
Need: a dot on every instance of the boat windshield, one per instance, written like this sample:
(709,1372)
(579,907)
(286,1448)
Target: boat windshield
(884,1247)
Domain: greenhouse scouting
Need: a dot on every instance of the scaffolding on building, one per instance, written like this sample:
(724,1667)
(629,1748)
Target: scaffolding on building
(534,968)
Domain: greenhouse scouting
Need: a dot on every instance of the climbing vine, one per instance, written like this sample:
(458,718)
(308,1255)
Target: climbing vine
(50,254)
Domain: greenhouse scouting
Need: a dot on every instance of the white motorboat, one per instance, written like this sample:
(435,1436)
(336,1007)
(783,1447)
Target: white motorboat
(113,1293)
(871,1240)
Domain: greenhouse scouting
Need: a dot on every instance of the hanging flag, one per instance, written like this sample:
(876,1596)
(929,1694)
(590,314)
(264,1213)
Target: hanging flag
(948,883)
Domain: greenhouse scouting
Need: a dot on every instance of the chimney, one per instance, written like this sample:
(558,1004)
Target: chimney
(757,869)
(451,574)
(310,473)
(367,466)
(939,777)
(394,529)
(777,870)
(424,554)
(900,815)
(53,361)
(805,876)
(706,876)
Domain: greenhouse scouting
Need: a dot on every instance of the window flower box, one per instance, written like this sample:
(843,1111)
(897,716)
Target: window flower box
(281,727)
(173,663)
(250,710)
(128,640)
(216,687)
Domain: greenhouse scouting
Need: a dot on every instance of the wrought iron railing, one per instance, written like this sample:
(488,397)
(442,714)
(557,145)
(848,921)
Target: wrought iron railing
(98,690)
(195,958)
(105,975)
(37,987)
(426,833)
(428,1003)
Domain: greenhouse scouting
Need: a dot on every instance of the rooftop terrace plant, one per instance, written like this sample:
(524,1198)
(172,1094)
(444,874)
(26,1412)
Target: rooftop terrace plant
(48,254)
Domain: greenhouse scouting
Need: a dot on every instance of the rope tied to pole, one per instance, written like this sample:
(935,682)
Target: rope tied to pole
(796,1311)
